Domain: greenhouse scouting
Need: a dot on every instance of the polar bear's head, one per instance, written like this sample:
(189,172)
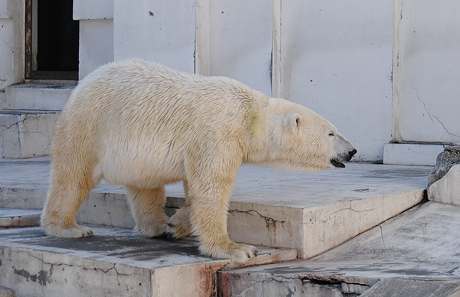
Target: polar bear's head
(298,138)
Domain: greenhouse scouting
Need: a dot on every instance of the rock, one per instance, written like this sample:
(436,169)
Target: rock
(444,162)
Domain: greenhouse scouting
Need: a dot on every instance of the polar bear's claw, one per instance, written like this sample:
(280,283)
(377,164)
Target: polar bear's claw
(179,224)
(236,252)
(76,231)
(154,229)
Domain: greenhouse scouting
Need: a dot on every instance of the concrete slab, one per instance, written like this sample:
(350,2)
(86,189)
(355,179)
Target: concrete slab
(115,262)
(413,254)
(26,134)
(312,212)
(44,96)
(19,217)
(411,153)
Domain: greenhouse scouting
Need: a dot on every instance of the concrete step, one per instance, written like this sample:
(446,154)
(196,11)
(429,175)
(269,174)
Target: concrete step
(114,262)
(38,96)
(311,213)
(26,133)
(19,217)
(414,254)
(4,292)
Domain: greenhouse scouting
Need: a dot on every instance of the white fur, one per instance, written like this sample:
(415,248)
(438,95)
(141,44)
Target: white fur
(142,125)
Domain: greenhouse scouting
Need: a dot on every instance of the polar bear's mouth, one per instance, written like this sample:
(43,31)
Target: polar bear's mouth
(337,163)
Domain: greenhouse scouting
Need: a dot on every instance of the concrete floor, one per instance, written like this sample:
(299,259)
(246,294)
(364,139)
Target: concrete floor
(413,254)
(259,184)
(271,207)
(311,212)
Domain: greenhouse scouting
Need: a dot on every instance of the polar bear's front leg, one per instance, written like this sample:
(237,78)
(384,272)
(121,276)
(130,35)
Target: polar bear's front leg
(208,215)
(147,206)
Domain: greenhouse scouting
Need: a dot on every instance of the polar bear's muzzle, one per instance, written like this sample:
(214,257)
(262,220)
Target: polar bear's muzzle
(338,161)
(343,151)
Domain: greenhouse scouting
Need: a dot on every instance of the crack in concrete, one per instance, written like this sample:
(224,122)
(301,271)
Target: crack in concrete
(383,241)
(277,278)
(18,141)
(424,105)
(268,220)
(336,279)
(445,128)
(340,210)
(433,117)
(86,268)
(270,224)
(22,120)
(271,221)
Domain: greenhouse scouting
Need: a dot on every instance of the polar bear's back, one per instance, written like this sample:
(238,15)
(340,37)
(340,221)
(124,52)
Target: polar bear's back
(142,92)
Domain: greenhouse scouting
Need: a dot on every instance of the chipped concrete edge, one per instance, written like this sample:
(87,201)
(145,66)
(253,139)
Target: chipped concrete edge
(447,189)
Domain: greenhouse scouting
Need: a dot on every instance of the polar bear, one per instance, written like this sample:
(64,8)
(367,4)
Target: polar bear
(141,125)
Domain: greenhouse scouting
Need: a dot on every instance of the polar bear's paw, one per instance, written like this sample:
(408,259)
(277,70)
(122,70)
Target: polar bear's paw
(75,231)
(153,228)
(179,225)
(236,252)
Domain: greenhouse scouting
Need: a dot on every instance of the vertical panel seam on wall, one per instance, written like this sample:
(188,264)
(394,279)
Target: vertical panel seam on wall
(202,35)
(396,95)
(277,90)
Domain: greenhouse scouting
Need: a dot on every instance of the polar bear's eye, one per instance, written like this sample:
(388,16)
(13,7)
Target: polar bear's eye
(331,134)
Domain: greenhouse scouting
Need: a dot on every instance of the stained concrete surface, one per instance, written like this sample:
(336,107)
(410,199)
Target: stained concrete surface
(5,292)
(311,212)
(413,254)
(19,217)
(417,247)
(114,262)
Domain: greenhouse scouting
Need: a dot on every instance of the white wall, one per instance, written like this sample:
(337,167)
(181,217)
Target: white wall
(336,58)
(427,71)
(96,33)
(240,41)
(156,30)
(11,42)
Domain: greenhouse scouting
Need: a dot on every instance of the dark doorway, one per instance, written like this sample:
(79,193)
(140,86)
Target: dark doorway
(52,38)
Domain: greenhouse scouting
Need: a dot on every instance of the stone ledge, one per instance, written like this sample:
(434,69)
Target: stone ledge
(411,255)
(19,218)
(38,96)
(411,153)
(114,262)
(309,212)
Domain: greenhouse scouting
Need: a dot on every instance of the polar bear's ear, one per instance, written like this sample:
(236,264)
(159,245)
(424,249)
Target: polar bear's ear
(296,118)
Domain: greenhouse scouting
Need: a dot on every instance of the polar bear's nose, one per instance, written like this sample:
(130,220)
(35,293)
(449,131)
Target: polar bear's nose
(352,153)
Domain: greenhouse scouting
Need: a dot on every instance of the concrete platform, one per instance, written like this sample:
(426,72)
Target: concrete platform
(311,212)
(115,262)
(414,254)
(45,96)
(19,217)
